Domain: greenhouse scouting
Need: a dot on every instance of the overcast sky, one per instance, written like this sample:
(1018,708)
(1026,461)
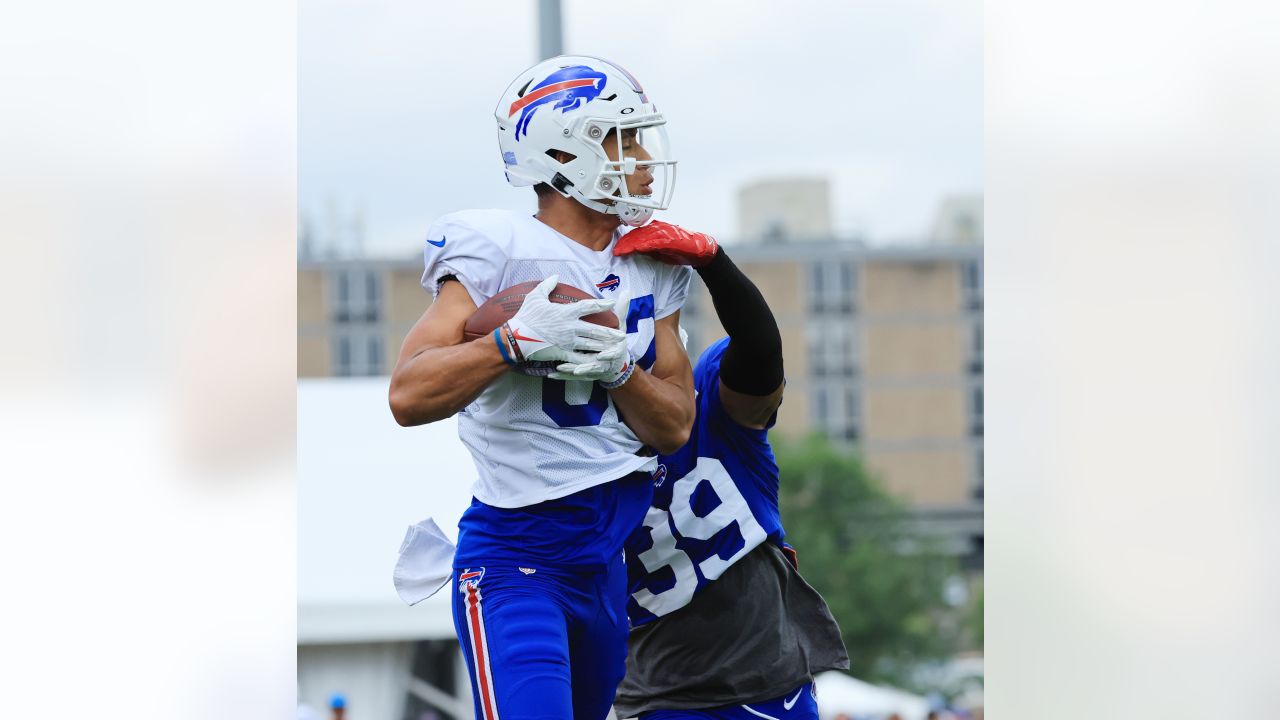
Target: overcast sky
(396,99)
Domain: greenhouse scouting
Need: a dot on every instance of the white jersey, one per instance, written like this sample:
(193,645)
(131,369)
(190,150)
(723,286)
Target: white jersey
(537,439)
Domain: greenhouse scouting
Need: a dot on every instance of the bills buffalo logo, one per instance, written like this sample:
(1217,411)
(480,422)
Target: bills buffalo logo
(659,475)
(569,88)
(469,577)
(610,283)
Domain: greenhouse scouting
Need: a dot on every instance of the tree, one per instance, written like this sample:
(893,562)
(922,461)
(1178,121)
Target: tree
(883,583)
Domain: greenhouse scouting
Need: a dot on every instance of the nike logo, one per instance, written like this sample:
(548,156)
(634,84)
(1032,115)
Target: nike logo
(516,334)
(786,704)
(439,243)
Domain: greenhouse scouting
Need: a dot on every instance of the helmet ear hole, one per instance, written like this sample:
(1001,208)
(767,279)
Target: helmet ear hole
(561,156)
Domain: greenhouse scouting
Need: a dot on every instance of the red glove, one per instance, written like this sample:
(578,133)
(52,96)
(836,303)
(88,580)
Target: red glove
(669,243)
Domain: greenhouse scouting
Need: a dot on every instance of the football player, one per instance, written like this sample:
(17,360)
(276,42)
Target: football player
(723,624)
(564,460)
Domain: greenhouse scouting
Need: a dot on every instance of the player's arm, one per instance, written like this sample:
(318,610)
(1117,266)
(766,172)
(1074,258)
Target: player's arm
(751,373)
(658,405)
(438,373)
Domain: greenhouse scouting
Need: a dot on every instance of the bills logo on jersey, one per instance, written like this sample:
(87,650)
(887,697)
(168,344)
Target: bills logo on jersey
(469,577)
(659,475)
(610,283)
(569,88)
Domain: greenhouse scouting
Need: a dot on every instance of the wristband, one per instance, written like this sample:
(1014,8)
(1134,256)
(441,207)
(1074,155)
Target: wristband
(621,379)
(497,338)
(515,346)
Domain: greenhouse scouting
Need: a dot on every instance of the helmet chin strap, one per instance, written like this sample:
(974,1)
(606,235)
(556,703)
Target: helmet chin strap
(629,214)
(634,215)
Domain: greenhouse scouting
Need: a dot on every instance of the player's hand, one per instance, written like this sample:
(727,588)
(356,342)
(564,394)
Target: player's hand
(669,243)
(610,365)
(543,330)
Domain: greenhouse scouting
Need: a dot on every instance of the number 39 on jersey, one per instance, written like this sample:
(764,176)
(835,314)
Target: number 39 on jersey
(706,528)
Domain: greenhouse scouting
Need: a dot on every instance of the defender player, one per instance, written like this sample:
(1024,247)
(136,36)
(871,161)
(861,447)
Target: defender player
(564,461)
(724,626)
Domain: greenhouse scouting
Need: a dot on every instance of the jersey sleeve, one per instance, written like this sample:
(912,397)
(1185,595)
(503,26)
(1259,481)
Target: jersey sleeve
(454,247)
(673,290)
(706,379)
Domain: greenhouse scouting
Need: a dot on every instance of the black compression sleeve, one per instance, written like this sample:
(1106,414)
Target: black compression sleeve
(752,364)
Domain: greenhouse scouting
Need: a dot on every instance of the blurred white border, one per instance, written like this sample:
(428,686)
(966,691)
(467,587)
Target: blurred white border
(147,201)
(1131,194)
(147,195)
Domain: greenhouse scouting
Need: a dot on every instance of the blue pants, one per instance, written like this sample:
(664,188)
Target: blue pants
(799,704)
(542,643)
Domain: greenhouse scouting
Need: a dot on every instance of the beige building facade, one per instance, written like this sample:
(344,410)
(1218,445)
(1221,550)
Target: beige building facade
(883,352)
(353,315)
(883,348)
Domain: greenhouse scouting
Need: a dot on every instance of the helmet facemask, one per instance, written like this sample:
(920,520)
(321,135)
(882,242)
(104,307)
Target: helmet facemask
(626,152)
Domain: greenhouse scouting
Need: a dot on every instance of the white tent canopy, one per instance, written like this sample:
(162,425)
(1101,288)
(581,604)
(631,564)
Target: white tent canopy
(362,481)
(839,693)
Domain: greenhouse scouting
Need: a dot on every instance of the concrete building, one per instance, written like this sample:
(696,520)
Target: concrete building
(784,210)
(959,220)
(353,315)
(884,351)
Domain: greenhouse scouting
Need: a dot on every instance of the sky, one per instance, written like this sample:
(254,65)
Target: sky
(884,98)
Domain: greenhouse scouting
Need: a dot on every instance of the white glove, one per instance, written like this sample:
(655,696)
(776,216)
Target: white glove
(611,366)
(543,330)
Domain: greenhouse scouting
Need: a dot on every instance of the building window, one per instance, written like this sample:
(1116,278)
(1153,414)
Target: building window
(832,350)
(975,348)
(849,428)
(971,275)
(820,407)
(358,297)
(373,296)
(975,410)
(832,285)
(343,365)
(835,411)
(358,353)
(977,472)
(375,356)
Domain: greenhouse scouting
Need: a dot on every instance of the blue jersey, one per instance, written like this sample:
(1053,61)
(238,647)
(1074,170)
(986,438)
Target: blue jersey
(715,499)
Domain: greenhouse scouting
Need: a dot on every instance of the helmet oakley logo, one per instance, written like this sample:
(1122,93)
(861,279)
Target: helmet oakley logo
(569,88)
(610,283)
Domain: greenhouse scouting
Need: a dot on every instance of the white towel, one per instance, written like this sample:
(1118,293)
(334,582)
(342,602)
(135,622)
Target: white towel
(425,564)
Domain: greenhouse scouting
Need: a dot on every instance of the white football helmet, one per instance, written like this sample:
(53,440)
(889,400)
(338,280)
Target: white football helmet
(570,104)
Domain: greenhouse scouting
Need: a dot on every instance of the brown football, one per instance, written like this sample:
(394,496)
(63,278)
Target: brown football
(504,305)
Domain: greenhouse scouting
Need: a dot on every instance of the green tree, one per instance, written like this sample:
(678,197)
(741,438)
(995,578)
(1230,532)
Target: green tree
(884,583)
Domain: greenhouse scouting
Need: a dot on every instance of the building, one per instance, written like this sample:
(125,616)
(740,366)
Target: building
(959,220)
(353,315)
(785,210)
(884,353)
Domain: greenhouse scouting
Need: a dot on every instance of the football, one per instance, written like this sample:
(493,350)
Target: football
(504,305)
